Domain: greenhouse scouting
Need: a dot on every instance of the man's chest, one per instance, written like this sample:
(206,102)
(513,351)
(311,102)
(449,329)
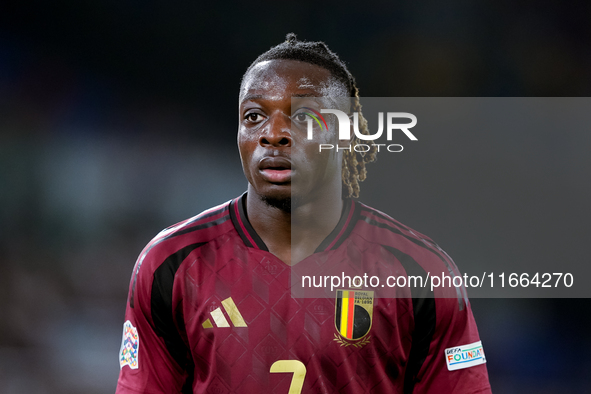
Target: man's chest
(240,318)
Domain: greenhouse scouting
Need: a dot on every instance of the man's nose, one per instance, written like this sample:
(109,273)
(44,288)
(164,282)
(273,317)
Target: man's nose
(278,132)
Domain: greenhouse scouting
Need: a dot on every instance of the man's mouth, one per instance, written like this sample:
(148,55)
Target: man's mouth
(276,169)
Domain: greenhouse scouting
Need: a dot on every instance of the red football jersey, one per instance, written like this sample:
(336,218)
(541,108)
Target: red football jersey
(211,310)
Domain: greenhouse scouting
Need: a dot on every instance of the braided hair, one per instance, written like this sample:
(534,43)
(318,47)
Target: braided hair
(317,53)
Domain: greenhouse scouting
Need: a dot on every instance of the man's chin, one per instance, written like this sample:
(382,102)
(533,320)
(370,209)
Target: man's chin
(283,203)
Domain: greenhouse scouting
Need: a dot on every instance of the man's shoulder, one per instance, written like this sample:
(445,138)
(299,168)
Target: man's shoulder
(208,220)
(383,223)
(418,254)
(402,241)
(188,234)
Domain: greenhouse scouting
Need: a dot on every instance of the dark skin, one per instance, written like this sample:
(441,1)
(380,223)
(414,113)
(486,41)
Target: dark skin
(280,162)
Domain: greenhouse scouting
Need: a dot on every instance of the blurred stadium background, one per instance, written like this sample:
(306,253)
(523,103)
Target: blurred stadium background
(118,119)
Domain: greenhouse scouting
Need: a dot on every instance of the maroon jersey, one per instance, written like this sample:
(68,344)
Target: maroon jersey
(210,310)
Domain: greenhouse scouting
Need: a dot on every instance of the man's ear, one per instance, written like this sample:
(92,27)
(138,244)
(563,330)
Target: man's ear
(347,143)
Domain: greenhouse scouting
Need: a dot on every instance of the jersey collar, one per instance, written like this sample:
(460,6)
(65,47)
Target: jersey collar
(349,216)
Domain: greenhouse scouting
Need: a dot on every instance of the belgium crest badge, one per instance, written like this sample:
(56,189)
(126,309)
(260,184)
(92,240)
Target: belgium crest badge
(353,317)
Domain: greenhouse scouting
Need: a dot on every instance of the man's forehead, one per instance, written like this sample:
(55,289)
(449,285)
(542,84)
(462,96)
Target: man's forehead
(254,95)
(274,78)
(294,70)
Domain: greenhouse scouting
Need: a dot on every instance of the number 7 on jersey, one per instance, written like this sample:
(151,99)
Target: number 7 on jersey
(299,373)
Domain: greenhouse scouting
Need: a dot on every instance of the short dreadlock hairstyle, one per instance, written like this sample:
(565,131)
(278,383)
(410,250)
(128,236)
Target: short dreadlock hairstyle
(317,53)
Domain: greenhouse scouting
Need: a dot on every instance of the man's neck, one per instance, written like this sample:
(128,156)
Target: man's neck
(293,236)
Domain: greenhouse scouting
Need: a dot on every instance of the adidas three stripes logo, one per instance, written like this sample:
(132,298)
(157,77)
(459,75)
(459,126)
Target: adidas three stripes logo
(219,318)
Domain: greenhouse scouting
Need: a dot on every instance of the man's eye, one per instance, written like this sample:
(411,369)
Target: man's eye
(254,117)
(301,117)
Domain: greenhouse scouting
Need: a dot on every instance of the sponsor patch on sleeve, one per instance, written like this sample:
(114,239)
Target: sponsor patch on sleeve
(129,346)
(464,356)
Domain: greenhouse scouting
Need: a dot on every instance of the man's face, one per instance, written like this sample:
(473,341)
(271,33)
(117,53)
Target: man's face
(278,160)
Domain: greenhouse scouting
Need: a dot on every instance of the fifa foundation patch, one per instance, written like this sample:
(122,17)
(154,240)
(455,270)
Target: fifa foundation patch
(129,346)
(464,356)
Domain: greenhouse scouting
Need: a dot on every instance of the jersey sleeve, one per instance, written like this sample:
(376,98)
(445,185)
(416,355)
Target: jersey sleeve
(449,356)
(455,362)
(147,358)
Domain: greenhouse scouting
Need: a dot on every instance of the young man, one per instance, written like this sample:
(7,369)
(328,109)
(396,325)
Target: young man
(210,304)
